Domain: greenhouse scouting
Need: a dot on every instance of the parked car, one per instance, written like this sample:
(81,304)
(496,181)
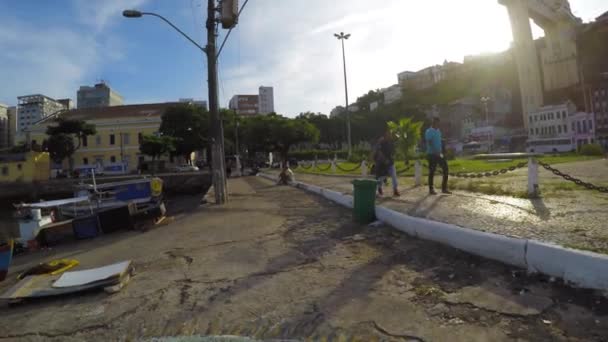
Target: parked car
(184,168)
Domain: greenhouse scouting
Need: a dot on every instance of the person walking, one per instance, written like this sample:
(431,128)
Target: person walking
(380,168)
(386,146)
(434,152)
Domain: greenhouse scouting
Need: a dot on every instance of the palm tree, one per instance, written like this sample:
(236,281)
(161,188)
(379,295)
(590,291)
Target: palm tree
(407,133)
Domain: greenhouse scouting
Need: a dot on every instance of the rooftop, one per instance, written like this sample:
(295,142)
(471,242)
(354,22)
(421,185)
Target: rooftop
(137,110)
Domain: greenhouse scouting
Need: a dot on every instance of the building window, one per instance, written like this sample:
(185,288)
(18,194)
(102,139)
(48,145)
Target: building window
(85,161)
(140,138)
(19,167)
(98,140)
(559,129)
(573,127)
(578,127)
(112,159)
(530,119)
(565,128)
(531,131)
(590,126)
(112,139)
(558,114)
(5,170)
(125,139)
(85,141)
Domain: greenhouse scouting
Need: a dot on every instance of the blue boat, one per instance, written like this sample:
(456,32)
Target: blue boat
(6,254)
(143,194)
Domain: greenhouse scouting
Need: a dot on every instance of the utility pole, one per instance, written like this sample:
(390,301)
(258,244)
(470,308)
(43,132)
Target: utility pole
(217,131)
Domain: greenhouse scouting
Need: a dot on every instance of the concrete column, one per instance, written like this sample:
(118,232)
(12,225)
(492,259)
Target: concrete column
(533,189)
(237,172)
(364,168)
(418,173)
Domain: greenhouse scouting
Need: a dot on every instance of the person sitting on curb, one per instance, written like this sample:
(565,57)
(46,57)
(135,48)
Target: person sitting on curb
(286,176)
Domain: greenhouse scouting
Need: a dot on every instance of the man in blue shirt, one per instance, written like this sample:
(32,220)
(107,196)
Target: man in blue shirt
(434,152)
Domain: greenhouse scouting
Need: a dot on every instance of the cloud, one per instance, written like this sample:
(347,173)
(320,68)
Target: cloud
(290,45)
(56,59)
(100,14)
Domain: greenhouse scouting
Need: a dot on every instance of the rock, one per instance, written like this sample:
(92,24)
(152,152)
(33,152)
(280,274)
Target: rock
(358,237)
(546,321)
(500,300)
(438,309)
(456,321)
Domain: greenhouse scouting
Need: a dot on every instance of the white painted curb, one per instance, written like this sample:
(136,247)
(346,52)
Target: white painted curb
(580,268)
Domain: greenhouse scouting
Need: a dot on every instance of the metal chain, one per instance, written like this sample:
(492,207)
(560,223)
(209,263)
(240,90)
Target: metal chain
(324,169)
(347,170)
(576,181)
(305,167)
(399,172)
(488,173)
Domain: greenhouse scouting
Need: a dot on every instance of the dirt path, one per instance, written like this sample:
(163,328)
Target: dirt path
(279,263)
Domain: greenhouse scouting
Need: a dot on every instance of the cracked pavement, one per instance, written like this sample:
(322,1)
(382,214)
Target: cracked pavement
(277,262)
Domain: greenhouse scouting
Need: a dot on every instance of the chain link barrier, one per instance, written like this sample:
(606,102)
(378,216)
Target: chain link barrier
(489,173)
(348,170)
(302,166)
(324,169)
(404,170)
(603,189)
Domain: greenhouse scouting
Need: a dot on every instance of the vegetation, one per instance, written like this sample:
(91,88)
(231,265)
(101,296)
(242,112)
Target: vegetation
(60,141)
(407,133)
(155,146)
(275,133)
(592,150)
(189,126)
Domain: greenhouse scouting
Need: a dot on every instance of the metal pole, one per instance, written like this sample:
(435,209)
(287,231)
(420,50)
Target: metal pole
(346,96)
(217,140)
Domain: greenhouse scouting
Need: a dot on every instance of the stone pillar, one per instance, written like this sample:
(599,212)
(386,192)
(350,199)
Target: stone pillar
(533,189)
(364,168)
(418,173)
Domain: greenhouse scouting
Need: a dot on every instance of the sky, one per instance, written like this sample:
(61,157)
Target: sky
(53,47)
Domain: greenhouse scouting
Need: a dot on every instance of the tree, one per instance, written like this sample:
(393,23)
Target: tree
(60,143)
(407,133)
(189,125)
(60,147)
(155,146)
(275,133)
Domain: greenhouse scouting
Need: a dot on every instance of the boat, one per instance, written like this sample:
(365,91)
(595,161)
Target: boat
(6,254)
(34,217)
(144,194)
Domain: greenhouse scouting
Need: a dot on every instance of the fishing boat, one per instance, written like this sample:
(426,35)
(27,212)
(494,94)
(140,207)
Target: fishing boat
(6,254)
(34,217)
(143,194)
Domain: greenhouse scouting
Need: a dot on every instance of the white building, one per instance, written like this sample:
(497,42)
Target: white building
(33,108)
(192,101)
(266,104)
(550,129)
(4,126)
(12,125)
(392,93)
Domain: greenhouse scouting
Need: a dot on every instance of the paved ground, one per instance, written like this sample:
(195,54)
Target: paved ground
(576,218)
(277,262)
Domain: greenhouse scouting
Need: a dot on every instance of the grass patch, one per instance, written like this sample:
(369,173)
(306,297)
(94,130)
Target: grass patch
(429,291)
(457,165)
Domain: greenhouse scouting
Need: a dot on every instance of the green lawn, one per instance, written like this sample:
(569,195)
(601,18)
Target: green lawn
(457,165)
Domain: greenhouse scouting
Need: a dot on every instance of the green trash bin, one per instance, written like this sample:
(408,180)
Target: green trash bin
(364,208)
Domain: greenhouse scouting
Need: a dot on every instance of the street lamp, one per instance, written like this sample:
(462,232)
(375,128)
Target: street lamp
(138,14)
(342,37)
(217,140)
(485,100)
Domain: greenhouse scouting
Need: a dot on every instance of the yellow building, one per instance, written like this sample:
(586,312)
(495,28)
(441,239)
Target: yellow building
(25,167)
(115,147)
